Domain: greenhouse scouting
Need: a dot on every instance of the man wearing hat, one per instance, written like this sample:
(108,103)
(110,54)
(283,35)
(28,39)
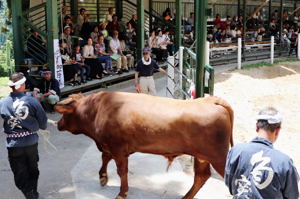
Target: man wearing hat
(48,91)
(257,170)
(23,116)
(144,82)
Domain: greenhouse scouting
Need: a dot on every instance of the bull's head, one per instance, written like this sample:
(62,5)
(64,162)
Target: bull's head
(71,115)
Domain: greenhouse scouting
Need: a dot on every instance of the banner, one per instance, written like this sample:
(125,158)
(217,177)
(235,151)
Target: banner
(58,66)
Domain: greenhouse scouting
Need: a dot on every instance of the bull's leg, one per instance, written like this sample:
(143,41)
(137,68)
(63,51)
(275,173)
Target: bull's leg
(202,173)
(219,166)
(122,167)
(106,157)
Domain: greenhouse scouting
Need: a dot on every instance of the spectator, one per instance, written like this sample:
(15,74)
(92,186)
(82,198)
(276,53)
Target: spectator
(218,36)
(95,34)
(190,22)
(273,27)
(85,70)
(228,21)
(167,14)
(48,91)
(133,21)
(80,19)
(163,52)
(67,38)
(86,28)
(294,43)
(92,60)
(217,21)
(127,52)
(68,22)
(118,55)
(130,36)
(103,30)
(113,26)
(109,16)
(103,56)
(70,70)
(256,169)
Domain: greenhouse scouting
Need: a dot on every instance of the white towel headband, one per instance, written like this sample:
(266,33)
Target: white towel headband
(272,119)
(17,84)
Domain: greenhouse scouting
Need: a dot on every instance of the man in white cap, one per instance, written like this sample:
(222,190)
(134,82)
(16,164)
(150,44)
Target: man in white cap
(23,116)
(144,82)
(258,171)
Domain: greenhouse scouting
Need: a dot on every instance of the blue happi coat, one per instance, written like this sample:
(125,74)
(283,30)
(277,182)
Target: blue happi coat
(256,170)
(21,114)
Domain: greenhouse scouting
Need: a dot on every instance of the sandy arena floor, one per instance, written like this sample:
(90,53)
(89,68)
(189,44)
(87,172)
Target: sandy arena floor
(248,91)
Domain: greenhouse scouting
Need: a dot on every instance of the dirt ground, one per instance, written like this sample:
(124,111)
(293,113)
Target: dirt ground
(250,90)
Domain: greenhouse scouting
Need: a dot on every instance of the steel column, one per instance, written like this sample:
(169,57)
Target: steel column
(281,20)
(150,15)
(178,24)
(74,7)
(140,29)
(119,8)
(239,8)
(244,29)
(270,10)
(16,8)
(98,11)
(52,31)
(200,36)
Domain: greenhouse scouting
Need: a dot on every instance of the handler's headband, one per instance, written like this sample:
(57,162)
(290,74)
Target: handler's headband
(272,119)
(17,84)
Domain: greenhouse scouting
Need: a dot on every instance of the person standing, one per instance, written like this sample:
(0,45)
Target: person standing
(144,82)
(23,116)
(256,170)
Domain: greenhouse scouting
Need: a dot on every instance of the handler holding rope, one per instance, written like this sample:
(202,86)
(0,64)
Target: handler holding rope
(23,117)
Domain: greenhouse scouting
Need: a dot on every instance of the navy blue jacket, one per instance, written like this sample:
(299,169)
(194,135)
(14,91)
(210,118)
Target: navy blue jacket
(255,170)
(46,86)
(22,113)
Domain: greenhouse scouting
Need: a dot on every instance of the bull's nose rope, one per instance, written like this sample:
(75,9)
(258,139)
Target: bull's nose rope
(46,136)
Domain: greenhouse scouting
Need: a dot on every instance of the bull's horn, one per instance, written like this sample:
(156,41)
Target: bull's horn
(66,101)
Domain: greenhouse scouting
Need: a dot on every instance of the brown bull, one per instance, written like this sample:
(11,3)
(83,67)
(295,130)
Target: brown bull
(124,123)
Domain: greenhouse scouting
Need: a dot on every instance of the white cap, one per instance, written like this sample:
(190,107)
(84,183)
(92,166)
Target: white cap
(272,119)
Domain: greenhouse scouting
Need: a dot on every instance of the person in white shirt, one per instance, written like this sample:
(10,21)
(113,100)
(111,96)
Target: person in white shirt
(110,15)
(88,54)
(118,55)
(80,19)
(163,41)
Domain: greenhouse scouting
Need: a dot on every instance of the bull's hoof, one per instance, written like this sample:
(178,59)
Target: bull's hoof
(120,197)
(103,179)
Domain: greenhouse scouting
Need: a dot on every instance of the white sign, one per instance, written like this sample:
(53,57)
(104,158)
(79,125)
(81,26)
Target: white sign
(58,66)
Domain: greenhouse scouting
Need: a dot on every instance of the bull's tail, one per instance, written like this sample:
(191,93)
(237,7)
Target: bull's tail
(221,102)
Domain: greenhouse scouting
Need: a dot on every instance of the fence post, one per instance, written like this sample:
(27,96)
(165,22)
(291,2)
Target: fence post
(298,46)
(239,53)
(272,49)
(207,53)
(180,56)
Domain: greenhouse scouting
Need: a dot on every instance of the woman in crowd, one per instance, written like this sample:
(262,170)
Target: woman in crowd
(92,60)
(95,34)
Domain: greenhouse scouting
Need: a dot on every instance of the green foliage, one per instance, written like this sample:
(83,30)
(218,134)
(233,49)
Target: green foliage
(3,81)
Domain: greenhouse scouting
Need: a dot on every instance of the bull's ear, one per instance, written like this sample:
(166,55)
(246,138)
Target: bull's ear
(64,109)
(65,106)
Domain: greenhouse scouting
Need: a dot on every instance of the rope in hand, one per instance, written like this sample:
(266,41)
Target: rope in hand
(46,136)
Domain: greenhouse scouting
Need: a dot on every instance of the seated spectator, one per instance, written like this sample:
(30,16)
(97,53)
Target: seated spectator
(273,27)
(36,48)
(133,21)
(92,60)
(80,19)
(162,43)
(85,70)
(217,21)
(109,16)
(228,21)
(235,21)
(261,34)
(103,56)
(66,36)
(118,55)
(95,34)
(190,22)
(167,14)
(70,69)
(127,52)
(86,29)
(68,22)
(218,36)
(113,26)
(48,92)
(130,36)
(169,43)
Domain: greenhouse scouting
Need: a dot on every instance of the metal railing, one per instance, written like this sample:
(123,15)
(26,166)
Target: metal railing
(182,75)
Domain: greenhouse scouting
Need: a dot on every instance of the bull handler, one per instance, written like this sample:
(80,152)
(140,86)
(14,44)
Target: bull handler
(23,116)
(144,82)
